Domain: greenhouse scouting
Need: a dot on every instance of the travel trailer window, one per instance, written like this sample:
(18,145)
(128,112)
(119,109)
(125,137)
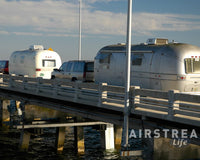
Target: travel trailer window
(192,65)
(136,59)
(104,57)
(48,63)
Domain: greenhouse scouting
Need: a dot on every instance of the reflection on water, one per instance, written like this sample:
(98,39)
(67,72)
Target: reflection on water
(42,146)
(165,151)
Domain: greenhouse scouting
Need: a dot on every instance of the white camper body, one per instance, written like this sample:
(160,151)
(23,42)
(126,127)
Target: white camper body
(155,65)
(34,62)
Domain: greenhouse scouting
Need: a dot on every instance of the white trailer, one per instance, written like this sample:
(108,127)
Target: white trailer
(156,64)
(34,62)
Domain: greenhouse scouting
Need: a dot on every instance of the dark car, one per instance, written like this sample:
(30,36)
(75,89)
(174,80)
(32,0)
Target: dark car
(4,66)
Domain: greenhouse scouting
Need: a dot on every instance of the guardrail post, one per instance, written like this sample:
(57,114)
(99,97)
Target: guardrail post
(25,81)
(133,98)
(38,84)
(11,81)
(76,91)
(172,103)
(56,85)
(102,94)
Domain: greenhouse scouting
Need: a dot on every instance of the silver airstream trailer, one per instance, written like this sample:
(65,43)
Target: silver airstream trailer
(156,64)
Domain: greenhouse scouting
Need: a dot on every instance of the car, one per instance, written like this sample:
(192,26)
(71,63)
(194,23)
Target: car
(4,66)
(75,70)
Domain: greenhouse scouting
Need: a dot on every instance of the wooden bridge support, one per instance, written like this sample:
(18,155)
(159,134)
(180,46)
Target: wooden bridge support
(118,137)
(79,140)
(60,139)
(107,138)
(24,140)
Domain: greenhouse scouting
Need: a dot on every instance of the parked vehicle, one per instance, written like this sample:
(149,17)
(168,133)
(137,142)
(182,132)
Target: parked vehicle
(156,64)
(75,70)
(4,66)
(34,62)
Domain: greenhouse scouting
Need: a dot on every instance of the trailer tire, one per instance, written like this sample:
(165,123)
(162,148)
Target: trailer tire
(74,79)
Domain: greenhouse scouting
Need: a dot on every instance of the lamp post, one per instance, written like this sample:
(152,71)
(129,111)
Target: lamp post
(79,49)
(128,68)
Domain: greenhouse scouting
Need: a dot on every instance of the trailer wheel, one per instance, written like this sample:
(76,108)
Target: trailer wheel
(74,79)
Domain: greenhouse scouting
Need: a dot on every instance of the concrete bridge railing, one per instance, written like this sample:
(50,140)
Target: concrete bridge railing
(172,105)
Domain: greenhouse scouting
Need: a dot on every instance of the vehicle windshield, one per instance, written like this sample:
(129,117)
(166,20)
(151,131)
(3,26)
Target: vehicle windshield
(63,66)
(192,65)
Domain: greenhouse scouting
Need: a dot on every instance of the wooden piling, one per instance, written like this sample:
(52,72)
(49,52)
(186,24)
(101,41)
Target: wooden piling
(60,139)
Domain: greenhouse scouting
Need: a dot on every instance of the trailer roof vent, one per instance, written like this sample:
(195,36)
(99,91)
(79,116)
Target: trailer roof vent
(36,47)
(121,44)
(157,41)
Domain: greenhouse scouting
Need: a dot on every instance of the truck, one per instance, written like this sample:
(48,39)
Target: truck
(34,62)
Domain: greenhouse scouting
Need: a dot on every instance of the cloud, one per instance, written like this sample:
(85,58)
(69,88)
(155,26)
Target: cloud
(3,32)
(165,22)
(60,18)
(105,1)
(27,34)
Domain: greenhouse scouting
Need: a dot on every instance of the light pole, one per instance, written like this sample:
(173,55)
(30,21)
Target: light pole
(79,49)
(128,68)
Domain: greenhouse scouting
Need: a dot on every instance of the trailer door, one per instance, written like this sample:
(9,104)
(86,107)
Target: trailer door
(155,74)
(117,67)
(140,71)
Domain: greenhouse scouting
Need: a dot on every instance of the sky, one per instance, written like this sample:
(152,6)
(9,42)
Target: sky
(55,24)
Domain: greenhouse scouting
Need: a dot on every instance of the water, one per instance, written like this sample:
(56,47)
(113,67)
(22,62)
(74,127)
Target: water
(41,146)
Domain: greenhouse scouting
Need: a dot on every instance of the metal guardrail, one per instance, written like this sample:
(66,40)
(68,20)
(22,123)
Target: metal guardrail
(172,105)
